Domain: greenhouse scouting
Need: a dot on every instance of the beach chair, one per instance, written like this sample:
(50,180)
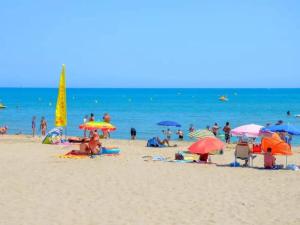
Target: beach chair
(243,152)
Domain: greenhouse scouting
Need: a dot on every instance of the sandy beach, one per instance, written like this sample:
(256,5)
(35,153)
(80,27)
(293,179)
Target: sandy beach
(37,187)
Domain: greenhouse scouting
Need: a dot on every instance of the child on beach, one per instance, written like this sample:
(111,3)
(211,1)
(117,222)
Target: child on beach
(269,159)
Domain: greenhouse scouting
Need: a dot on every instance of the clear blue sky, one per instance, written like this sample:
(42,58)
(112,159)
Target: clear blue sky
(155,43)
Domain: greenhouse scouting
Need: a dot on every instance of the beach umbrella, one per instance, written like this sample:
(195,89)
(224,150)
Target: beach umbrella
(199,134)
(248,130)
(53,136)
(169,124)
(94,125)
(206,145)
(278,146)
(290,129)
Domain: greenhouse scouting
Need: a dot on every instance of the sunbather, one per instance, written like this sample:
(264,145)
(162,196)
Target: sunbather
(163,142)
(90,148)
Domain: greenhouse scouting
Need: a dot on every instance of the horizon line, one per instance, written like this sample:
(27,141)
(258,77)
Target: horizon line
(27,87)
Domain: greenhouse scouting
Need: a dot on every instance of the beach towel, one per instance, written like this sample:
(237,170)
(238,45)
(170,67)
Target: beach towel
(73,154)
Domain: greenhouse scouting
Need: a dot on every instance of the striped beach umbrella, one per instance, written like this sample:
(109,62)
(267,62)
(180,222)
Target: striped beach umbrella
(97,126)
(200,134)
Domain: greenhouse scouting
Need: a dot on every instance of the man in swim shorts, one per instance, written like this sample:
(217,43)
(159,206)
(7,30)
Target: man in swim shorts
(133,133)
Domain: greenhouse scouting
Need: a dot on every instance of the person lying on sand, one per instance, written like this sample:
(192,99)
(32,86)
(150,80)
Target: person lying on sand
(78,140)
(164,142)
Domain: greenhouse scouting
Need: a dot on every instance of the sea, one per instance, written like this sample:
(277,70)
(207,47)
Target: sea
(144,108)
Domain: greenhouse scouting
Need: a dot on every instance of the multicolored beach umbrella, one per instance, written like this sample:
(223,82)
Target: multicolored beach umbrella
(200,134)
(94,125)
(54,136)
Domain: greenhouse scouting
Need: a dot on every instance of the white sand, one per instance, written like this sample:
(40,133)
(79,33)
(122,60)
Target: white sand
(38,188)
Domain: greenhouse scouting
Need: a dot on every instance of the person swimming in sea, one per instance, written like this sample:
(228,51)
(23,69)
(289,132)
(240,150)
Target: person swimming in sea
(288,113)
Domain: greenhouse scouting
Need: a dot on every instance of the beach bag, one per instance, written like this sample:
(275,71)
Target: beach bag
(179,156)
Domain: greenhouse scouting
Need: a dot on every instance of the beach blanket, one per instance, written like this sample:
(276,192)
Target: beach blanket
(73,154)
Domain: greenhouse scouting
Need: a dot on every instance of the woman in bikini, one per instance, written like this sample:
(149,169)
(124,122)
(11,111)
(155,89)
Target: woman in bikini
(43,126)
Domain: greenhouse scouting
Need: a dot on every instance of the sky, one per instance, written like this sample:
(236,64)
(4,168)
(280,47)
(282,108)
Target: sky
(155,43)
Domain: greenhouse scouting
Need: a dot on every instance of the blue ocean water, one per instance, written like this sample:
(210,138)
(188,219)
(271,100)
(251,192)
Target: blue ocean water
(143,108)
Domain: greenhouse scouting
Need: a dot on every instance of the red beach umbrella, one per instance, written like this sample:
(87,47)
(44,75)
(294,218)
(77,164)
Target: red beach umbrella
(206,145)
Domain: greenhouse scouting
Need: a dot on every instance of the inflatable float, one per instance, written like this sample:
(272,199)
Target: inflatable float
(110,150)
(2,106)
(297,116)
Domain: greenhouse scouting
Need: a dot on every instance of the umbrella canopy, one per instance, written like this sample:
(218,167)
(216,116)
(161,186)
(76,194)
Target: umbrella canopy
(53,136)
(199,134)
(97,125)
(206,145)
(169,124)
(279,147)
(249,130)
(283,128)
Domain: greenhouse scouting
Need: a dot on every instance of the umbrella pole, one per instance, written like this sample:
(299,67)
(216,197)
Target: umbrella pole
(286,161)
(65,132)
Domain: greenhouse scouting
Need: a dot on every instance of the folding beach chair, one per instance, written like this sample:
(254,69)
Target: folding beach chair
(243,152)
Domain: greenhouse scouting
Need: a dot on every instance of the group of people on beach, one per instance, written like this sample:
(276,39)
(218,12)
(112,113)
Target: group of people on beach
(43,126)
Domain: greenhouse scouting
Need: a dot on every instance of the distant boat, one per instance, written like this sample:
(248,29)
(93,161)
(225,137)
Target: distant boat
(223,98)
(2,106)
(298,116)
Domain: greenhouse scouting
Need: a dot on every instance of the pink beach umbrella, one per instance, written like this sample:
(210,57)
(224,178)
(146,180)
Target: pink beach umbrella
(249,130)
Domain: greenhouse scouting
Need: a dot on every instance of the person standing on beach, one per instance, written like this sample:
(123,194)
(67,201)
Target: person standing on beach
(215,129)
(180,134)
(227,130)
(106,118)
(33,126)
(92,117)
(167,133)
(85,120)
(43,126)
(133,133)
(191,129)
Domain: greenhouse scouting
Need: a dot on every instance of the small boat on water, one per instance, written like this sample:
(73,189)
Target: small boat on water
(2,106)
(223,98)
(297,116)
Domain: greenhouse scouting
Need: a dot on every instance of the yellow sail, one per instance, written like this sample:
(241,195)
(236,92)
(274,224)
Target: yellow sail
(61,105)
